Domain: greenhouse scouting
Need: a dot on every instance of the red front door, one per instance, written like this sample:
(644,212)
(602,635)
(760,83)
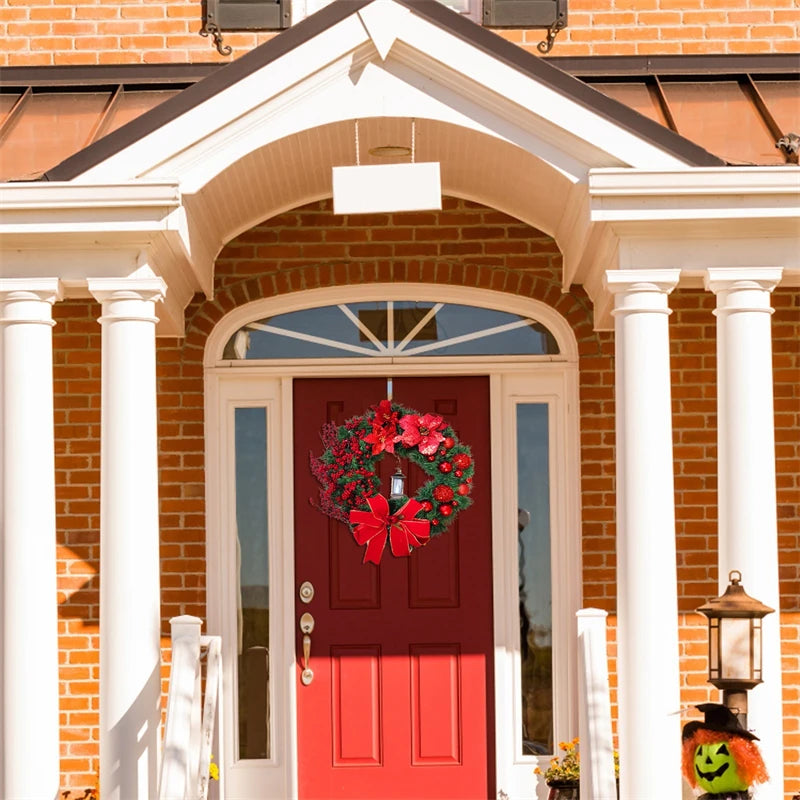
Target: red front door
(401,703)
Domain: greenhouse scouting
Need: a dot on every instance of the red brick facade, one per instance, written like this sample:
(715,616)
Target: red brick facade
(38,32)
(465,244)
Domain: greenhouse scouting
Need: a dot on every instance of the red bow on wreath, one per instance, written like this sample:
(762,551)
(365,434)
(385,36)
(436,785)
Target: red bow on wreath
(373,526)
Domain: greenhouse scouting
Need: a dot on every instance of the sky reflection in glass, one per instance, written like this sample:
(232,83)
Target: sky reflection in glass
(390,329)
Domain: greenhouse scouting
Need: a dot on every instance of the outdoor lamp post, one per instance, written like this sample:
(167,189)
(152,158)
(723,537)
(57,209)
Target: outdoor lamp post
(734,644)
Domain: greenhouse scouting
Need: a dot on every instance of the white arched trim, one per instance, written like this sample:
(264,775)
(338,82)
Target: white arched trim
(463,295)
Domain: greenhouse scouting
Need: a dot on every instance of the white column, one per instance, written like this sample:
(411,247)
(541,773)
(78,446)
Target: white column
(647,604)
(130,607)
(748,533)
(29,739)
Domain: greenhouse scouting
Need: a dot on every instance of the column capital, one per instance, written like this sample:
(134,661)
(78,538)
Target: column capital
(29,300)
(147,289)
(127,298)
(591,613)
(725,279)
(641,280)
(45,289)
(641,290)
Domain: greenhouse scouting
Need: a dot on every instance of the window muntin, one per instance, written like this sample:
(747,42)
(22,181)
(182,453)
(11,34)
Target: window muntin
(393,329)
(252,539)
(535,588)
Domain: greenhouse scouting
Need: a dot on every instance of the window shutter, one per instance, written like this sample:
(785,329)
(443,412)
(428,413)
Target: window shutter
(525,14)
(247,15)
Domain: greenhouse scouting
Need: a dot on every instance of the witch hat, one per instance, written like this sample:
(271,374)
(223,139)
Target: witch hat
(718,718)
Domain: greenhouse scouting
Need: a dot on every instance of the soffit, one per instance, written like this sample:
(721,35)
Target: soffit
(497,174)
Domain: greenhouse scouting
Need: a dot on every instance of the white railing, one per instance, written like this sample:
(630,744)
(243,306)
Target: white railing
(597,746)
(189,729)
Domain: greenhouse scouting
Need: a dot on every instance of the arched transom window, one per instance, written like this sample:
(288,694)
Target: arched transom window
(391,329)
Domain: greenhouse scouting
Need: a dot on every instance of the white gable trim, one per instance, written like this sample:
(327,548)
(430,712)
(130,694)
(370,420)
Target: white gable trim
(269,99)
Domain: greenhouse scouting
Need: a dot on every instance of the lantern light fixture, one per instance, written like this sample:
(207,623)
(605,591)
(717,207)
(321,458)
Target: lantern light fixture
(734,643)
(397,486)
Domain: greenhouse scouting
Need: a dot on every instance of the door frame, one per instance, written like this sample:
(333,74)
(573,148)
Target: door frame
(548,379)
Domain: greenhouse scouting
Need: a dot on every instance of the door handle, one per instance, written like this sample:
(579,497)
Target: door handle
(306,627)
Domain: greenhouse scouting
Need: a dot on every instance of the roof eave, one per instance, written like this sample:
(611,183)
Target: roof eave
(481,38)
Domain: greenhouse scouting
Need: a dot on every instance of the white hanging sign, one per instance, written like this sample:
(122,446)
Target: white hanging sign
(387,187)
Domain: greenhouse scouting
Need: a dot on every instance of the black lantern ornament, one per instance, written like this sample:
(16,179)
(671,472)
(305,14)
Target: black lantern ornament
(734,644)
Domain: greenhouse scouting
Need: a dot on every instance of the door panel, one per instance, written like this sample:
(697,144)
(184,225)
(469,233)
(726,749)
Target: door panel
(401,704)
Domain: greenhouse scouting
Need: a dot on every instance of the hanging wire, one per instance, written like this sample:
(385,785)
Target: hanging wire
(413,138)
(358,154)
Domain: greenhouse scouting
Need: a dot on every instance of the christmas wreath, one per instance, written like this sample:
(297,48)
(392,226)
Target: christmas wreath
(349,483)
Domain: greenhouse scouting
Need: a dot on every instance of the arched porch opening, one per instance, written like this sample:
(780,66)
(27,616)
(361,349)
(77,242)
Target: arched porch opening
(278,267)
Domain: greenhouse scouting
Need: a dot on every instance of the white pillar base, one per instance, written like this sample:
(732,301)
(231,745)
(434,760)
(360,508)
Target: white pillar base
(29,735)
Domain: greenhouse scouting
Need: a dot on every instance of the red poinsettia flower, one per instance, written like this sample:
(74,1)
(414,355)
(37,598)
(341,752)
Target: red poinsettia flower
(384,416)
(382,439)
(422,430)
(384,433)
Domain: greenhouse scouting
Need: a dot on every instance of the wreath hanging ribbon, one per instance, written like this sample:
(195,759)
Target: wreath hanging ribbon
(349,483)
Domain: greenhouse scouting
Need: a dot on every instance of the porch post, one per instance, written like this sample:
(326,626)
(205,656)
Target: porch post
(748,529)
(29,738)
(647,603)
(130,612)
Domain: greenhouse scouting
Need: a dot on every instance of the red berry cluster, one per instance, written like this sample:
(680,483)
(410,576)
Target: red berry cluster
(346,477)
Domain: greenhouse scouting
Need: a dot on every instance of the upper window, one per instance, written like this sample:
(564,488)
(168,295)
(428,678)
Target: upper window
(391,329)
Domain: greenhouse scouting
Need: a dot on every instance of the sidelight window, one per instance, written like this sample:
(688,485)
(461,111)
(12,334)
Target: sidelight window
(535,589)
(252,555)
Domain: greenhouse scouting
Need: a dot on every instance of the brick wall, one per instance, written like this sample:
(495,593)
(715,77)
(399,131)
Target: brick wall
(464,244)
(152,31)
(76,366)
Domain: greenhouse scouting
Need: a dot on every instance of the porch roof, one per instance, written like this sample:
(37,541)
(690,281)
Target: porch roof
(478,37)
(734,106)
(168,189)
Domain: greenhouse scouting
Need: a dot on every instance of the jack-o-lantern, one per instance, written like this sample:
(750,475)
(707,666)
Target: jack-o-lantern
(715,768)
(719,755)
